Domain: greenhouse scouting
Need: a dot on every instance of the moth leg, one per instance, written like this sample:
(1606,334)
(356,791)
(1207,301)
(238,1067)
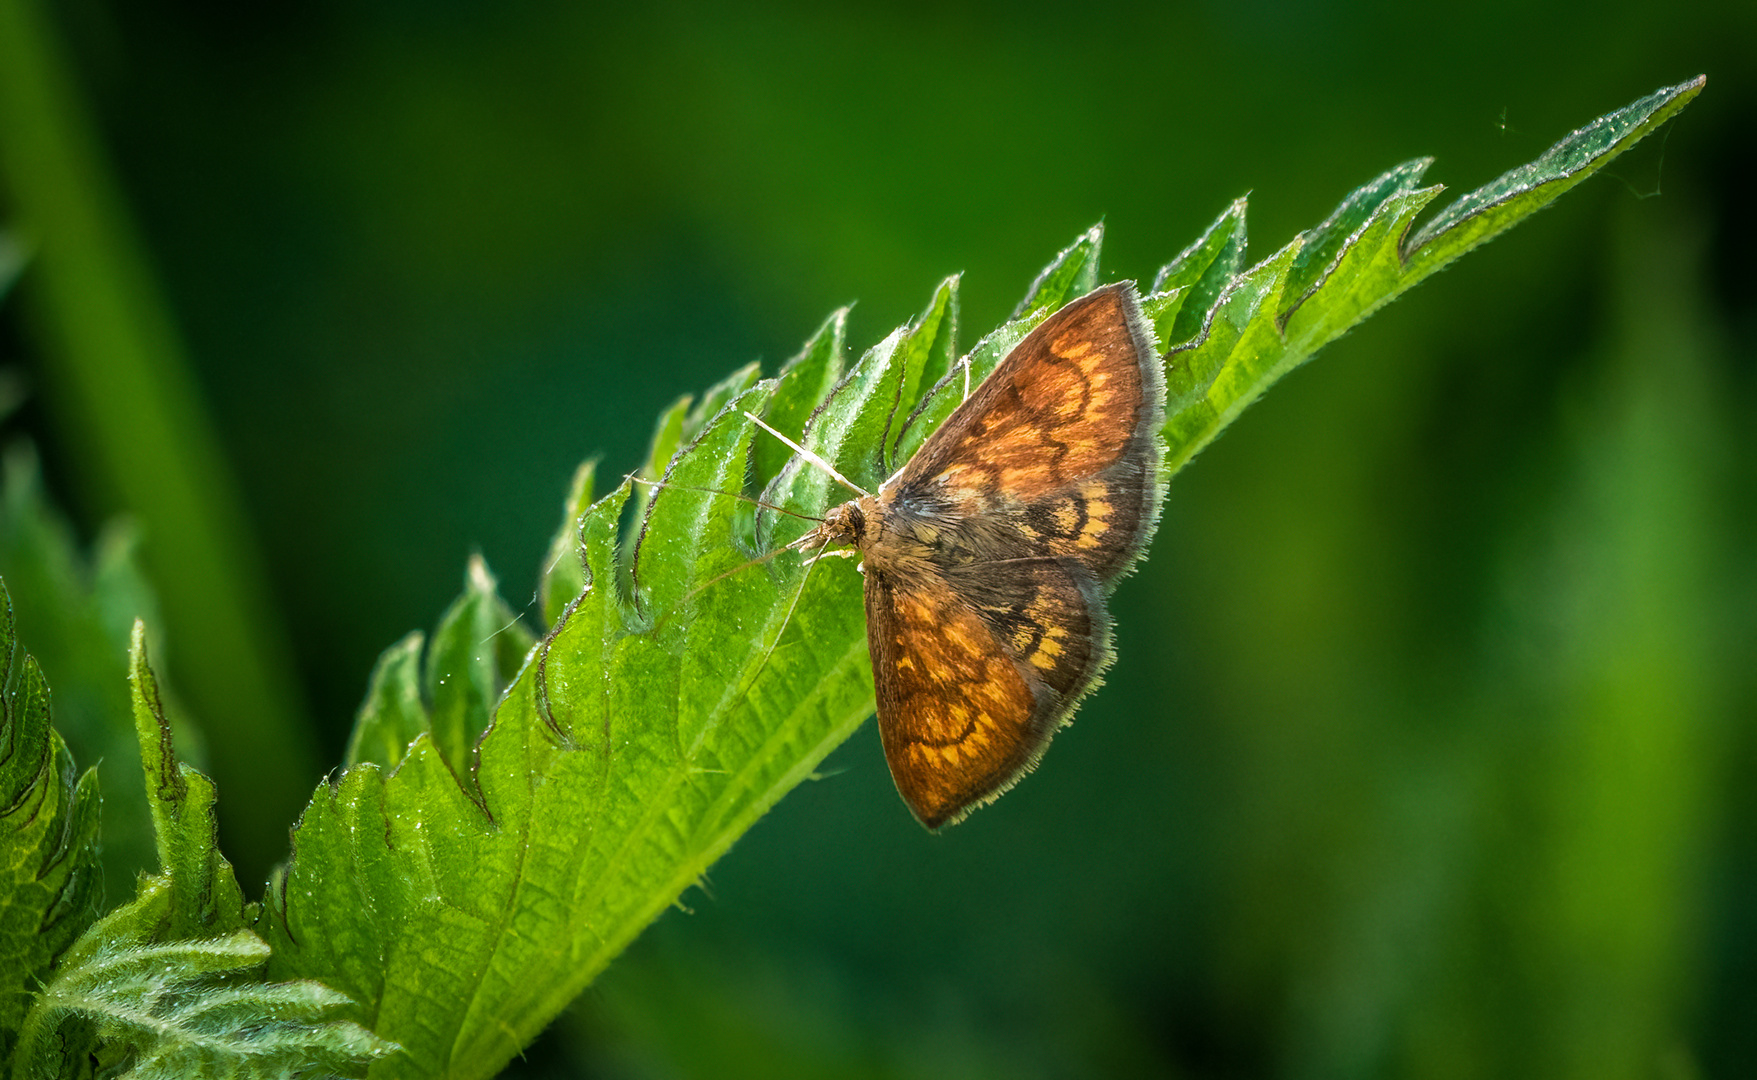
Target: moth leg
(842,553)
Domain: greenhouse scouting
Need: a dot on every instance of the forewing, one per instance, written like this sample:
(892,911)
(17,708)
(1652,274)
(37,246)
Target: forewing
(1063,436)
(973,677)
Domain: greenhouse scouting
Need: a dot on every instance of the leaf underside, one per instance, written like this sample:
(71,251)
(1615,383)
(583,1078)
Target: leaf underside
(462,891)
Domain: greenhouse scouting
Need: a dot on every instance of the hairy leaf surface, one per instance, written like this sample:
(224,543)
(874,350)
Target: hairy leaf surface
(171,984)
(49,881)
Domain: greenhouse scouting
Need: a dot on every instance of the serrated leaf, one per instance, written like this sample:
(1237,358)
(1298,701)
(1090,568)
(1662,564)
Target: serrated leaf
(716,398)
(1276,315)
(801,386)
(204,897)
(653,724)
(1190,284)
(1322,247)
(564,576)
(1074,272)
(896,371)
(935,338)
(667,438)
(441,908)
(49,880)
(77,612)
(1491,209)
(848,436)
(393,715)
(680,425)
(189,1009)
(169,985)
(688,512)
(930,355)
(479,644)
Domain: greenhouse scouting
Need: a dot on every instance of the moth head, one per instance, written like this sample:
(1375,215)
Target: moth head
(844,524)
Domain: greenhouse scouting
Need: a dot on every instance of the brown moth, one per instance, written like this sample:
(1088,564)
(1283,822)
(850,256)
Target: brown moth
(988,556)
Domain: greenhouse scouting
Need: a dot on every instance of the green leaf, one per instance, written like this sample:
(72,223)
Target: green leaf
(1280,312)
(801,386)
(1072,273)
(463,900)
(848,436)
(1187,287)
(681,423)
(478,645)
(49,882)
(204,894)
(660,734)
(687,515)
(393,714)
(930,358)
(77,612)
(1492,209)
(1321,249)
(564,575)
(717,397)
(189,1009)
(935,337)
(893,372)
(170,984)
(667,438)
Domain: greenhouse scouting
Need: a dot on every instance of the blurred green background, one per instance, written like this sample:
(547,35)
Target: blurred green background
(1430,745)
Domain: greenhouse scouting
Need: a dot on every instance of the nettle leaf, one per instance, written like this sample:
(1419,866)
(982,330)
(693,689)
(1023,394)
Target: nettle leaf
(802,385)
(563,576)
(49,879)
(1185,288)
(77,609)
(1276,315)
(1072,273)
(171,984)
(479,643)
(461,890)
(394,713)
(190,1009)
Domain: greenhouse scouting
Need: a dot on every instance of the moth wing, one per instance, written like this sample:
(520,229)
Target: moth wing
(1065,429)
(974,677)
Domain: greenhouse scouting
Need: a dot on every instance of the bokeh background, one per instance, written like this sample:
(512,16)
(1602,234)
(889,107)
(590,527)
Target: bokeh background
(1430,747)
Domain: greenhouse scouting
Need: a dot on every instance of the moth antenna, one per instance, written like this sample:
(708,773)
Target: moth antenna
(966,378)
(809,456)
(550,569)
(728,494)
(510,624)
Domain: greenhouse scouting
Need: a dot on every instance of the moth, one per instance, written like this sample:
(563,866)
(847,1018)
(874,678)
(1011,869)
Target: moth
(989,555)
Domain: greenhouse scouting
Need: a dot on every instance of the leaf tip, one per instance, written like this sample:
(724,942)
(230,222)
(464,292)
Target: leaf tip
(478,577)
